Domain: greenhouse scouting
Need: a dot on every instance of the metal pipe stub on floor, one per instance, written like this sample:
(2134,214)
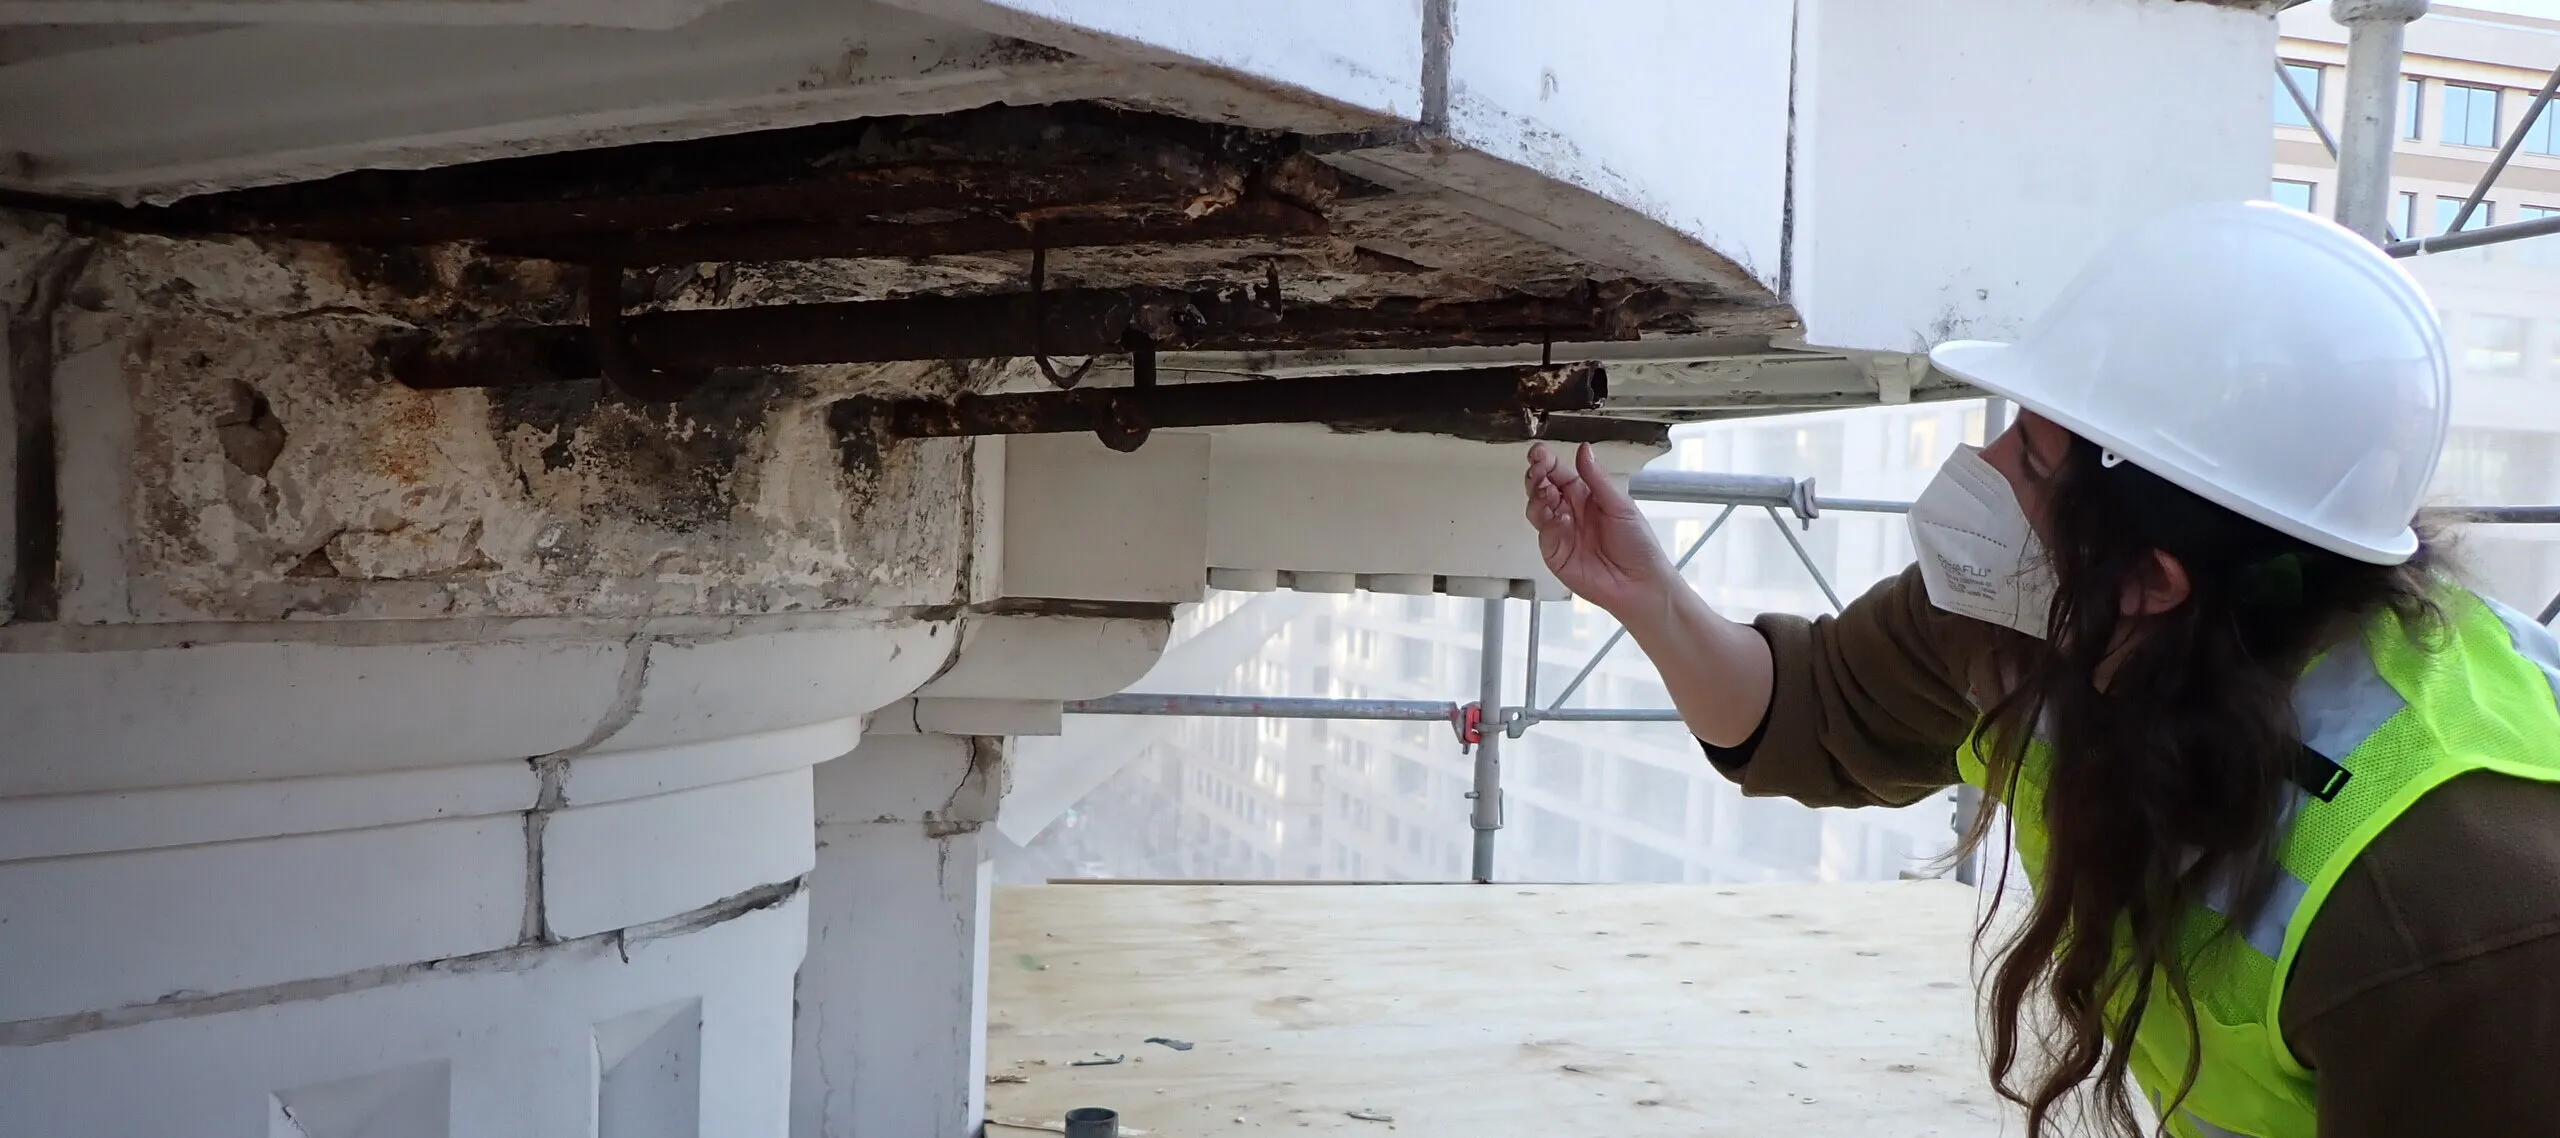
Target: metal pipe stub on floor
(1092,1122)
(1123,416)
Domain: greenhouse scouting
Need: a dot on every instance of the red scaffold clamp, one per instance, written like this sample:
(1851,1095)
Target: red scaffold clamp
(1468,722)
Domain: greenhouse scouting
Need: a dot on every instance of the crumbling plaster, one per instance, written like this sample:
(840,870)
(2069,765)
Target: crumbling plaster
(232,450)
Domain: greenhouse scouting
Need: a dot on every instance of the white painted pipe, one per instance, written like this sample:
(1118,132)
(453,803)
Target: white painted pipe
(2376,31)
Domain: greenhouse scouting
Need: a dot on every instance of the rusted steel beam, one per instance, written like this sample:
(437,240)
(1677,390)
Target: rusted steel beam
(1074,322)
(1123,416)
(1174,180)
(1023,161)
(798,241)
(1071,322)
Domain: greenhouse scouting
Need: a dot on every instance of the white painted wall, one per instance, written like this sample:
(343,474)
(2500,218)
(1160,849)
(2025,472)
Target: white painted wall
(320,879)
(1083,520)
(1314,500)
(1673,109)
(503,1047)
(1361,53)
(254,103)
(1956,162)
(892,1029)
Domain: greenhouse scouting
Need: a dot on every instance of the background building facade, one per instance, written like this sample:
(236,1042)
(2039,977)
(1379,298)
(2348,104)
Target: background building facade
(1636,801)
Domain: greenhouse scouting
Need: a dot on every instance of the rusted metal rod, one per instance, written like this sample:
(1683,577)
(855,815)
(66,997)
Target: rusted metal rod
(1072,322)
(1253,218)
(1123,416)
(868,191)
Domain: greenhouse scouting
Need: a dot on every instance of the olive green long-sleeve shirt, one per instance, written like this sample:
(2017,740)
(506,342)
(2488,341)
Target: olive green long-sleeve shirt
(2426,993)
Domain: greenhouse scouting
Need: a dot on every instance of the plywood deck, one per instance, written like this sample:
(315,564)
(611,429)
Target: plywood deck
(1465,1011)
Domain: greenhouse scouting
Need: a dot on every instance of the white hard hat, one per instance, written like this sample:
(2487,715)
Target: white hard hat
(2269,361)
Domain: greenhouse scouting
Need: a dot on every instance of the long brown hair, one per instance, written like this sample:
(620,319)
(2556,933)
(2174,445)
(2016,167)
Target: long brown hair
(2172,740)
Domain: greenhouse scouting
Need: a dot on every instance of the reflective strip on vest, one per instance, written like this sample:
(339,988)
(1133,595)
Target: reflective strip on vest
(2533,642)
(2389,748)
(2265,931)
(2343,700)
(2338,704)
(2206,1129)
(2188,1120)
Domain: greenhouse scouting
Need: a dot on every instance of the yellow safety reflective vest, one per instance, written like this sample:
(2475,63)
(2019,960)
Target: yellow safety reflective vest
(2384,719)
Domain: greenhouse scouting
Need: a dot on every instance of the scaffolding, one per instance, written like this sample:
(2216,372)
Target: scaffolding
(1480,725)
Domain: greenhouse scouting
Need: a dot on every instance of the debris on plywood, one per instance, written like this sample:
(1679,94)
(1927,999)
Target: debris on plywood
(1348,1002)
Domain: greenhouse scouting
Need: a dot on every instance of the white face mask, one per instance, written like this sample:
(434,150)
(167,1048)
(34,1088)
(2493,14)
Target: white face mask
(1978,556)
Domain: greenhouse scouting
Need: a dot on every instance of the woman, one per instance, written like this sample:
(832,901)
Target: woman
(2288,797)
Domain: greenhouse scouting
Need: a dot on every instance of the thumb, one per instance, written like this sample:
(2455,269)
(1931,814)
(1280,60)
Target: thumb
(1606,496)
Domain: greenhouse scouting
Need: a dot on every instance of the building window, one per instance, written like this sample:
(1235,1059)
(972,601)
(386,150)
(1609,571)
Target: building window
(2407,226)
(2490,467)
(1685,531)
(2299,195)
(1413,657)
(1413,780)
(2543,250)
(1555,840)
(1557,769)
(2493,346)
(2305,76)
(2470,115)
(2448,208)
(1921,448)
(2413,92)
(2543,136)
(1651,796)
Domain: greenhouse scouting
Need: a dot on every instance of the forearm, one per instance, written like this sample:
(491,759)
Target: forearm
(1718,671)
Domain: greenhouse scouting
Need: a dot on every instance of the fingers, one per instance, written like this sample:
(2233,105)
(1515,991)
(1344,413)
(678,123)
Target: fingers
(1542,483)
(1547,506)
(1535,474)
(1605,495)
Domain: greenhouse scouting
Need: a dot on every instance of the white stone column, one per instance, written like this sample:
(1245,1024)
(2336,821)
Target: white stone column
(892,995)
(540,883)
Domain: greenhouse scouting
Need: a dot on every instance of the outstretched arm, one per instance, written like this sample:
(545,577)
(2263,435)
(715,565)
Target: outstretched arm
(1599,545)
(1866,708)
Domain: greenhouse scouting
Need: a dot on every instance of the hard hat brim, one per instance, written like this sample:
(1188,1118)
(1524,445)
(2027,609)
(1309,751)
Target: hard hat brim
(2000,369)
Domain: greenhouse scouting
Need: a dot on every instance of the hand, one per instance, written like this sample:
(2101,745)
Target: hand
(1593,538)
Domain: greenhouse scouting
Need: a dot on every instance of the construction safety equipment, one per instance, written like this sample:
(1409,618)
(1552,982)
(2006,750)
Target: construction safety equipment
(2269,361)
(2385,719)
(1978,556)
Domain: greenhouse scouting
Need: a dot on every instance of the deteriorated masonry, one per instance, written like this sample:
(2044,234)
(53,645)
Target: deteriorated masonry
(232,449)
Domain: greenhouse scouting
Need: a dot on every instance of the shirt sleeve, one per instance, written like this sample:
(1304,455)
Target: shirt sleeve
(1865,708)
(2426,994)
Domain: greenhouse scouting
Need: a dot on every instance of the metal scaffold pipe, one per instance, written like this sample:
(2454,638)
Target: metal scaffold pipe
(1795,495)
(2506,153)
(1487,815)
(1256,707)
(1598,715)
(2377,30)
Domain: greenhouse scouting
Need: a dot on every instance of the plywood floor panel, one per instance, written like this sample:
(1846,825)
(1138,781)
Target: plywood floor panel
(1464,1011)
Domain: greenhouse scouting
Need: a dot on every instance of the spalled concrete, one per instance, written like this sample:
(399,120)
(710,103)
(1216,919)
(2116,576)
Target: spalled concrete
(232,451)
